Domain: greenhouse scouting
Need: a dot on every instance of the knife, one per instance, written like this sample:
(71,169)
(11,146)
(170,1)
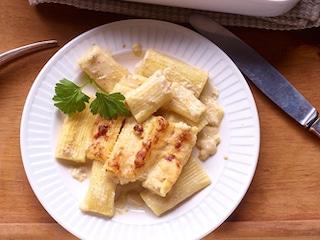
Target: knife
(260,72)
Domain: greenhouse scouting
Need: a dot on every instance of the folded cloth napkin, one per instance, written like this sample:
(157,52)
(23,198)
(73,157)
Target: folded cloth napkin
(306,14)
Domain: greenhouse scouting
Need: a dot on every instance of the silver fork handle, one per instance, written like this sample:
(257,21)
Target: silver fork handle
(18,52)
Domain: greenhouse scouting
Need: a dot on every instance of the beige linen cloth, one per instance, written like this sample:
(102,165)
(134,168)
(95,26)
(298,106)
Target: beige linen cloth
(306,14)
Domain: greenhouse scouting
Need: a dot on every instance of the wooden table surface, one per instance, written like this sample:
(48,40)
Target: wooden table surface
(283,201)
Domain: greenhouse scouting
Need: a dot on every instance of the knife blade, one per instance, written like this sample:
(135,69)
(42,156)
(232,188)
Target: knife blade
(272,83)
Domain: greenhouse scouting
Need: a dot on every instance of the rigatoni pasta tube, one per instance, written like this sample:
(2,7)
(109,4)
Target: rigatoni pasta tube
(129,159)
(170,154)
(129,83)
(185,103)
(192,179)
(101,192)
(102,68)
(149,97)
(75,136)
(103,136)
(175,117)
(179,71)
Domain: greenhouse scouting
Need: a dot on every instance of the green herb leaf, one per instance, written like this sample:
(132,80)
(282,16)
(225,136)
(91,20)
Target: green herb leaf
(69,97)
(109,106)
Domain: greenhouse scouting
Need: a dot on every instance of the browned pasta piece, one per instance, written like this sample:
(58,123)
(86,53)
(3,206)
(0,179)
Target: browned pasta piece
(103,136)
(192,179)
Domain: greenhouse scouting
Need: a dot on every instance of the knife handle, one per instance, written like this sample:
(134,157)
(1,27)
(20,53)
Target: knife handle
(315,127)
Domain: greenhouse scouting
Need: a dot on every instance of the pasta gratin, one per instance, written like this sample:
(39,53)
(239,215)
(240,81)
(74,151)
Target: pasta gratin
(171,115)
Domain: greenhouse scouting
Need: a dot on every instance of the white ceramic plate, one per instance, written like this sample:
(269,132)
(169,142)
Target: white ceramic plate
(60,194)
(261,8)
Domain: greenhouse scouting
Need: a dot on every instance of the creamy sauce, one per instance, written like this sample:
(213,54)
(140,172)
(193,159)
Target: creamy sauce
(208,138)
(137,49)
(207,142)
(214,111)
(128,197)
(80,173)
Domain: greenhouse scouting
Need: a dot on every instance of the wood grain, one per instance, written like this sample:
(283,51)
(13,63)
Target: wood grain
(283,199)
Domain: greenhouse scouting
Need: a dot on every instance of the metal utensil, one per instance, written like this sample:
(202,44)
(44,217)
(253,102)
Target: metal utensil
(260,72)
(18,52)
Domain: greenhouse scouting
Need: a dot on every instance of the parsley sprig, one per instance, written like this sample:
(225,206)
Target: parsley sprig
(70,98)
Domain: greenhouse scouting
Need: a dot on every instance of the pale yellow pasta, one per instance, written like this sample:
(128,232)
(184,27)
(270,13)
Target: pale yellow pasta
(129,83)
(175,117)
(192,179)
(149,96)
(102,68)
(101,192)
(185,103)
(75,136)
(178,71)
